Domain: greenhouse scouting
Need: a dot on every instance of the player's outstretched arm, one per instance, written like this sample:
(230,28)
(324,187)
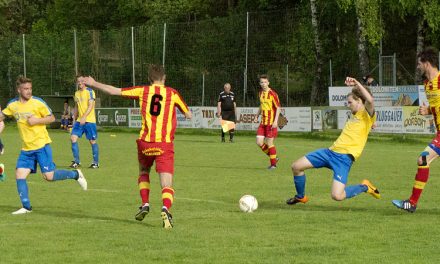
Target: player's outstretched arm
(369,100)
(2,126)
(89,81)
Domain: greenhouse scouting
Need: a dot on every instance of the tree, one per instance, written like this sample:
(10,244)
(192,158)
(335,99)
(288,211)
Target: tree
(318,54)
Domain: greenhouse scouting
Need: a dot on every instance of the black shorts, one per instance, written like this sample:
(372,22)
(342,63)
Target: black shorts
(228,115)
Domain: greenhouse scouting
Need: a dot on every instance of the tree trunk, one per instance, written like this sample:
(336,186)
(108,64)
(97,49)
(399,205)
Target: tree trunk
(314,96)
(364,62)
(420,45)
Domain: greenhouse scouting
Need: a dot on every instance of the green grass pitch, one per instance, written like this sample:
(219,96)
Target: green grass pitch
(69,225)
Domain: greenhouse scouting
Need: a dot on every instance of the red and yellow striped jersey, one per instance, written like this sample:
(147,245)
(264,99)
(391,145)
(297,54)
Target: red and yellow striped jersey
(269,103)
(158,109)
(432,91)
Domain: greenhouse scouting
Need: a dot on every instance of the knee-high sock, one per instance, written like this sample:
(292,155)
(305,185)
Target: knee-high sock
(75,151)
(60,175)
(23,192)
(273,155)
(144,187)
(353,190)
(300,185)
(167,197)
(95,153)
(420,182)
(265,149)
(223,133)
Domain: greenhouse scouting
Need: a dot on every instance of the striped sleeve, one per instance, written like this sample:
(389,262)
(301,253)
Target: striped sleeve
(132,92)
(43,108)
(91,94)
(275,99)
(180,104)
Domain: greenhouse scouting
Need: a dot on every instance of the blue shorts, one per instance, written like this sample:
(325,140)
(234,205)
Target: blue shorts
(43,156)
(88,128)
(340,164)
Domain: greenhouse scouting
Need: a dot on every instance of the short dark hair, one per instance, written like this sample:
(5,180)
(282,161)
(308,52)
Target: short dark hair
(22,80)
(263,76)
(155,72)
(430,55)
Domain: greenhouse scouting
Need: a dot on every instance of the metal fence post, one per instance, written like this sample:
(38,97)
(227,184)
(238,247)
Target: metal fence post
(24,55)
(132,60)
(331,74)
(203,89)
(394,70)
(246,63)
(164,43)
(75,52)
(287,85)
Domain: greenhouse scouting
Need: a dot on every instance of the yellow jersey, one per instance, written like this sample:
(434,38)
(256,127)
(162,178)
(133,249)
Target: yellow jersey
(355,134)
(433,95)
(82,100)
(33,137)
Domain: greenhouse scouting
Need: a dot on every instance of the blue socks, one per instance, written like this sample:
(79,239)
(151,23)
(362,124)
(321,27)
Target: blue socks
(60,175)
(300,185)
(23,192)
(95,153)
(75,151)
(353,190)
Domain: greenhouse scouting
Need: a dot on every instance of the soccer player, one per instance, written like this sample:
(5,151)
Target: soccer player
(155,143)
(427,64)
(226,109)
(344,151)
(32,115)
(84,114)
(270,108)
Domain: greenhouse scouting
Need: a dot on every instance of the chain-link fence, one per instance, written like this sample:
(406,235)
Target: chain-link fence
(199,57)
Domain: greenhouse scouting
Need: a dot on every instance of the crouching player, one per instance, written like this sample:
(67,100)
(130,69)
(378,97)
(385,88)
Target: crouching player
(345,150)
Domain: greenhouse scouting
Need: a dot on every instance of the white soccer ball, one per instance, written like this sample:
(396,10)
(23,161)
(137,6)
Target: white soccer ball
(248,203)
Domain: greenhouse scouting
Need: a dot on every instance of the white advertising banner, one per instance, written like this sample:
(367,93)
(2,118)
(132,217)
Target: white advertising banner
(389,120)
(134,118)
(317,120)
(337,96)
(407,95)
(246,117)
(417,124)
(343,117)
(299,119)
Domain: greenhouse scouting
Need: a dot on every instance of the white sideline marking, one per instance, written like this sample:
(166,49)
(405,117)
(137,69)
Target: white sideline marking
(104,190)
(201,200)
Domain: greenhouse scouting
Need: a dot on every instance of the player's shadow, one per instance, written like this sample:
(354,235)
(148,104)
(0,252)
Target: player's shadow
(221,167)
(385,211)
(56,213)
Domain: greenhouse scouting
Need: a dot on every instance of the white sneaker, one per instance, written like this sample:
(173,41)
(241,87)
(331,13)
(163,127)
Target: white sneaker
(82,180)
(22,211)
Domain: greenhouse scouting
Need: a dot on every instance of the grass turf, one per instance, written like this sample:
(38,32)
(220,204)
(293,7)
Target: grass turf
(72,226)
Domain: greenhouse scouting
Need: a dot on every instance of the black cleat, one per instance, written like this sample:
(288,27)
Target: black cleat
(75,165)
(94,166)
(167,219)
(405,205)
(143,211)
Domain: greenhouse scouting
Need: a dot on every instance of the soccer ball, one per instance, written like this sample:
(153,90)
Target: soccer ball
(248,203)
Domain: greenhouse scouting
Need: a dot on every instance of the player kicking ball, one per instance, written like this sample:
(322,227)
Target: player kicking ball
(344,151)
